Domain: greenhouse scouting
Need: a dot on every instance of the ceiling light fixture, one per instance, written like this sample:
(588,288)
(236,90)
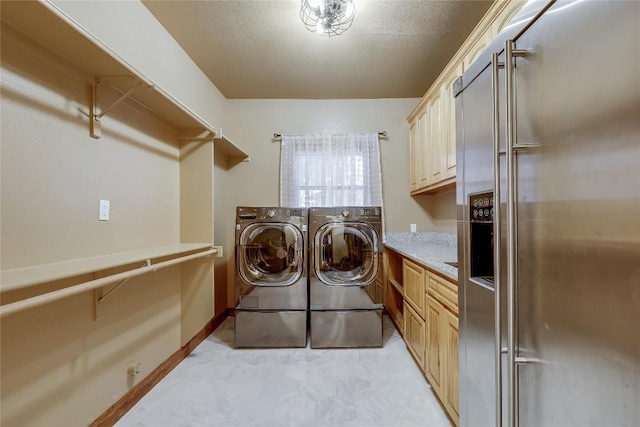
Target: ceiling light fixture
(327,17)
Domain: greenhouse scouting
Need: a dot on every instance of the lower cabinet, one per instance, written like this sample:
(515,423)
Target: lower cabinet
(425,307)
(441,360)
(414,334)
(450,396)
(434,366)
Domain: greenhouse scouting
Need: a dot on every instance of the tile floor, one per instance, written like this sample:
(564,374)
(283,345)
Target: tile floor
(218,385)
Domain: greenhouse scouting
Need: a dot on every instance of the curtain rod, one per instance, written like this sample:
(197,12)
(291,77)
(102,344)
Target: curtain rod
(278,137)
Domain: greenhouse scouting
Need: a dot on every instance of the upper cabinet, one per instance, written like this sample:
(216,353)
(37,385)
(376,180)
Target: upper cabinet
(478,47)
(432,122)
(422,164)
(433,143)
(449,123)
(414,129)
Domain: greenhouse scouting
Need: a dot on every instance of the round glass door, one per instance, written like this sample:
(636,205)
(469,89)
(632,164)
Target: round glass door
(271,254)
(346,254)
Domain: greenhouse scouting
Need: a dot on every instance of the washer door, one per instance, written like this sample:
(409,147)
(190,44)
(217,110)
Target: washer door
(346,254)
(271,254)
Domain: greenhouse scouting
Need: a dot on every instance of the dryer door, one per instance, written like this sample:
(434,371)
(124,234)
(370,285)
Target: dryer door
(346,254)
(271,254)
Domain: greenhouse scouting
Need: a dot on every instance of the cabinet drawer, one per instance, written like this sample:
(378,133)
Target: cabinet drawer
(414,289)
(444,291)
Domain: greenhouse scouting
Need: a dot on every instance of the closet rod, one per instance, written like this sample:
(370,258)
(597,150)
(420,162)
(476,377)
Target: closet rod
(278,137)
(48,297)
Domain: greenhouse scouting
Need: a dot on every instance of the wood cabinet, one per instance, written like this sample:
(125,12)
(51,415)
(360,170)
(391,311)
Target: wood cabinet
(479,45)
(414,302)
(433,152)
(393,288)
(413,285)
(449,123)
(450,396)
(505,15)
(441,361)
(501,16)
(414,153)
(414,335)
(421,162)
(424,306)
(433,142)
(434,366)
(428,146)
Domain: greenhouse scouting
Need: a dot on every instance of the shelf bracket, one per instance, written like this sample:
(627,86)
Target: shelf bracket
(98,297)
(95,127)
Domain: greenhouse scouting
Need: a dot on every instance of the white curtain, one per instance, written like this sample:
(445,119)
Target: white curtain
(330,170)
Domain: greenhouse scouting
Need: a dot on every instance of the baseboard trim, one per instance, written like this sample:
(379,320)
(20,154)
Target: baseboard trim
(126,402)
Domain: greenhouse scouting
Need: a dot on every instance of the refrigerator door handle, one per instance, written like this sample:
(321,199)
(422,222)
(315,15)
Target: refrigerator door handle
(512,246)
(495,66)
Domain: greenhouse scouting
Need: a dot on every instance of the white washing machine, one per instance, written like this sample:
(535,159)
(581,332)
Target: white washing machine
(345,250)
(271,277)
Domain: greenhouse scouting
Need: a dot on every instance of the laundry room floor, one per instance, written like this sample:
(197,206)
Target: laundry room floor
(218,385)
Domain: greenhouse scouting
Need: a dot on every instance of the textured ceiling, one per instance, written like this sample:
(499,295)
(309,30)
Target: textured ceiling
(260,49)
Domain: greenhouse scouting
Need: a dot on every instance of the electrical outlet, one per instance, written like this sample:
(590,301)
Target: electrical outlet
(413,228)
(134,369)
(105,207)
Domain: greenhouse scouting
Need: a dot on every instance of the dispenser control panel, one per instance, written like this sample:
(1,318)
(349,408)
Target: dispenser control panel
(481,207)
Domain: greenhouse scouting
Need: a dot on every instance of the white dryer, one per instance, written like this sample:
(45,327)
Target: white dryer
(271,277)
(345,251)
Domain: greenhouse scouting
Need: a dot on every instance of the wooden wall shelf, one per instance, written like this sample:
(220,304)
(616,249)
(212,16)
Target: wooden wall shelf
(19,278)
(49,26)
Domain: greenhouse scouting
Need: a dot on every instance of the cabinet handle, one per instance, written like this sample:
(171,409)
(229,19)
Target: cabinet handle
(495,66)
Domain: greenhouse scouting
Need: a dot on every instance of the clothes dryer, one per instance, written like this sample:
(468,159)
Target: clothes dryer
(345,251)
(271,277)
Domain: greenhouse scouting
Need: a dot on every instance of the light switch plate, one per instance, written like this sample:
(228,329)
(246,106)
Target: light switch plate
(413,228)
(105,207)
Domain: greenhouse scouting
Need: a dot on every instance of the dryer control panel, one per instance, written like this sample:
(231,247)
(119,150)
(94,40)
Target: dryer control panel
(349,213)
(270,213)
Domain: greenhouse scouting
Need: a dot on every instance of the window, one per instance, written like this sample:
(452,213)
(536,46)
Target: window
(330,170)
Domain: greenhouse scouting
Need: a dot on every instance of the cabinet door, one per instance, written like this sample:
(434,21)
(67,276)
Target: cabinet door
(478,47)
(505,16)
(451,383)
(422,160)
(434,149)
(434,347)
(449,123)
(413,155)
(413,285)
(414,333)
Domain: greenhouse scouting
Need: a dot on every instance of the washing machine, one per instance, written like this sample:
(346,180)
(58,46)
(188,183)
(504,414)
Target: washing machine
(345,259)
(271,294)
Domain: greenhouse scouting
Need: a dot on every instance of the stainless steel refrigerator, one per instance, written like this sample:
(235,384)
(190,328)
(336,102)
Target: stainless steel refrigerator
(548,199)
